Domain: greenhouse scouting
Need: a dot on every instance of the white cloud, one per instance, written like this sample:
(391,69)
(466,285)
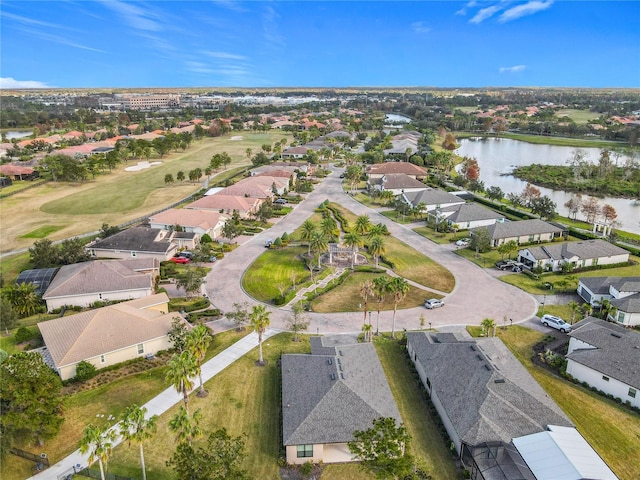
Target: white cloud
(61,40)
(420,27)
(529,8)
(30,21)
(230,56)
(463,10)
(485,13)
(514,69)
(270,26)
(11,83)
(136,17)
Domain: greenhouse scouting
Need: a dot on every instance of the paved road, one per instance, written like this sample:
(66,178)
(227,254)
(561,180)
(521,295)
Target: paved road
(477,294)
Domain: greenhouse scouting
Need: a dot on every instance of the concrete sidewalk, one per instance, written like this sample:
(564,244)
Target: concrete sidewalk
(164,401)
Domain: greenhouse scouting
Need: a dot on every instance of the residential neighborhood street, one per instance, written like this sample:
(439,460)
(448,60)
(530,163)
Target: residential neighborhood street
(476,296)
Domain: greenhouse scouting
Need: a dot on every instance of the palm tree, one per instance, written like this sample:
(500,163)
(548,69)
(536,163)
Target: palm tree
(587,309)
(137,428)
(378,229)
(98,443)
(366,292)
(363,225)
(353,241)
(399,287)
(185,428)
(23,298)
(259,319)
(182,367)
(387,196)
(575,308)
(377,248)
(607,309)
(366,329)
(306,232)
(380,287)
(318,243)
(488,324)
(198,341)
(328,228)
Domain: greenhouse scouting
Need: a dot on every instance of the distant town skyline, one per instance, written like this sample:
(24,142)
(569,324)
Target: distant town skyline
(222,43)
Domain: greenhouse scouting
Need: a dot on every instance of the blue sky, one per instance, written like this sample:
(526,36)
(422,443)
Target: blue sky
(222,43)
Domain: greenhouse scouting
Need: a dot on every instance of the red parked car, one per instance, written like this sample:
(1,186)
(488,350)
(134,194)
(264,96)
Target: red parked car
(180,260)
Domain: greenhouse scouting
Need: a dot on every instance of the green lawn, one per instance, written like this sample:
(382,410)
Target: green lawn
(611,430)
(545,140)
(12,265)
(580,117)
(43,231)
(110,399)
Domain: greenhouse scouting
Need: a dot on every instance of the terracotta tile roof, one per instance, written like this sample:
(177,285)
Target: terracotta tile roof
(397,167)
(9,169)
(275,173)
(248,188)
(188,217)
(96,332)
(221,201)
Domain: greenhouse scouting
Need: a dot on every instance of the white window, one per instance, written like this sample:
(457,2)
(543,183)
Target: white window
(140,348)
(632,392)
(605,378)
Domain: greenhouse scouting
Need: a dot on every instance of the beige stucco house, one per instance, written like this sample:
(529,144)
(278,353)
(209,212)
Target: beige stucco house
(101,280)
(191,220)
(109,335)
(328,395)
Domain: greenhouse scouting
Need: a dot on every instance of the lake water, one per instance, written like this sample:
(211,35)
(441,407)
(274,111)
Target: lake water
(18,134)
(498,156)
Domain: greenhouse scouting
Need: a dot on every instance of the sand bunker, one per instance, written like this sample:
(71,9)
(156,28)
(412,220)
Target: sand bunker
(237,137)
(141,166)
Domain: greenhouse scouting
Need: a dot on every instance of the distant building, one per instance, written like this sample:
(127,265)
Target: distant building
(149,102)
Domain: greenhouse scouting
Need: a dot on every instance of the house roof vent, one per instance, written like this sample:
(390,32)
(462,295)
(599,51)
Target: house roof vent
(330,361)
(617,335)
(333,376)
(499,380)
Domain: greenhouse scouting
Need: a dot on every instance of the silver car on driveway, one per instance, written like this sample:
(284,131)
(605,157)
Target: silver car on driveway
(433,303)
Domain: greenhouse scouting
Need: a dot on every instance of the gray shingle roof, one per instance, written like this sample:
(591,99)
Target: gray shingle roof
(584,249)
(395,181)
(463,375)
(325,398)
(598,285)
(139,239)
(521,228)
(469,212)
(432,196)
(99,276)
(617,352)
(630,304)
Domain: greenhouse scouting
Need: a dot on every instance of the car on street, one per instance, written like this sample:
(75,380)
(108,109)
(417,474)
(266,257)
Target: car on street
(463,242)
(185,254)
(181,260)
(342,175)
(433,303)
(280,201)
(555,322)
(267,243)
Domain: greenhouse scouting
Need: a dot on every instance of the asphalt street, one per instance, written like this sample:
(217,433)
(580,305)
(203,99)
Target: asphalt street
(477,295)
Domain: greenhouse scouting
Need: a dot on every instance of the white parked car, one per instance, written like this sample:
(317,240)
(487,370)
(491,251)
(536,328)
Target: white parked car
(433,303)
(555,322)
(463,242)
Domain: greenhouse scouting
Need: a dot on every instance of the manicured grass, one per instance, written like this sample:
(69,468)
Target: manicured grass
(119,196)
(346,297)
(43,231)
(611,430)
(581,117)
(401,219)
(110,399)
(531,285)
(427,443)
(545,140)
(439,237)
(12,265)
(273,269)
(244,399)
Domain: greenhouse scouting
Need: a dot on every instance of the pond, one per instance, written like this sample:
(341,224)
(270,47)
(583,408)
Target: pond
(18,134)
(498,156)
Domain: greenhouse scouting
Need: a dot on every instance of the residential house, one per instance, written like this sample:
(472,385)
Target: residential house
(18,172)
(467,215)
(379,170)
(432,199)
(191,220)
(135,242)
(523,231)
(581,254)
(85,283)
(397,183)
(247,187)
(285,174)
(277,183)
(606,356)
(328,395)
(227,204)
(295,152)
(502,424)
(622,292)
(109,335)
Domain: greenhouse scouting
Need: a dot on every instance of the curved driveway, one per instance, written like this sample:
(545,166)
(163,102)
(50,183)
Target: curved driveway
(477,294)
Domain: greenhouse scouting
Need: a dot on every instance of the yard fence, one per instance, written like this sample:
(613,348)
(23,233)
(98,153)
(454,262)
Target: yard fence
(32,185)
(41,461)
(76,472)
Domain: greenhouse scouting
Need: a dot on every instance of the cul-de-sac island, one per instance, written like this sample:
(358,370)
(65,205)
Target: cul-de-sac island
(336,284)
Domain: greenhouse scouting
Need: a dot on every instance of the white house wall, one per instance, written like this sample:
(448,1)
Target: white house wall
(89,298)
(128,254)
(627,319)
(595,379)
(593,299)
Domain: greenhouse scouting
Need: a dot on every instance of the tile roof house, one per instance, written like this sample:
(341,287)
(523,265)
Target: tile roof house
(101,280)
(109,335)
(135,242)
(581,254)
(227,204)
(18,172)
(432,198)
(622,292)
(492,409)
(469,215)
(380,169)
(523,231)
(247,187)
(192,220)
(606,356)
(295,152)
(278,184)
(326,396)
(397,183)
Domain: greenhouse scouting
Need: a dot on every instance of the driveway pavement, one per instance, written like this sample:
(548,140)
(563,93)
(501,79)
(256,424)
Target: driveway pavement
(477,293)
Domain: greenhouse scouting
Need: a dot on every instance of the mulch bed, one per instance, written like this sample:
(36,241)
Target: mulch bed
(293,472)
